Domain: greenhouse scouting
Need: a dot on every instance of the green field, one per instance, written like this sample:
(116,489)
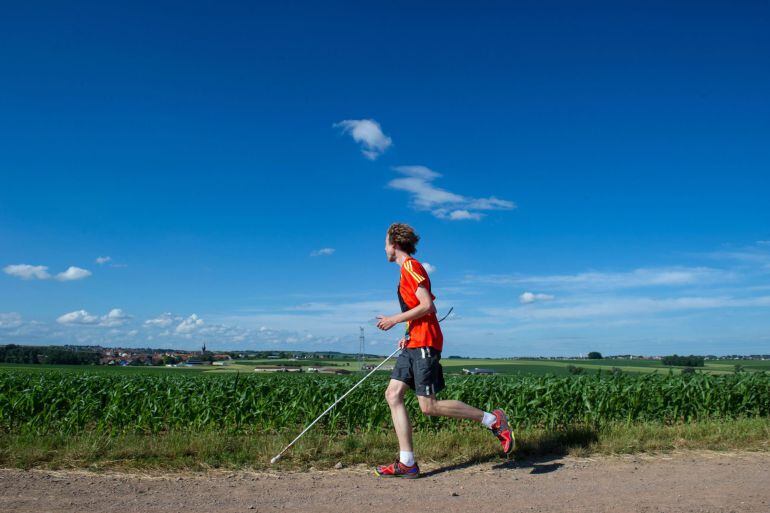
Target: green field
(560,367)
(199,417)
(56,401)
(517,367)
(520,367)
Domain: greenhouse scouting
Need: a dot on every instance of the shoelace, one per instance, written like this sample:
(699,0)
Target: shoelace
(395,466)
(499,429)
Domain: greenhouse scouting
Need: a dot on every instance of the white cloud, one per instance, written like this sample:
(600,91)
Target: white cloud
(529,297)
(642,277)
(422,173)
(10,320)
(619,306)
(428,267)
(490,203)
(102,260)
(757,257)
(368,133)
(322,252)
(443,204)
(162,321)
(27,272)
(40,272)
(462,214)
(189,325)
(324,319)
(115,317)
(73,273)
(78,317)
(425,195)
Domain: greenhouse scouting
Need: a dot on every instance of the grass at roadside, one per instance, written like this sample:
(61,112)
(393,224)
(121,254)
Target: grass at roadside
(188,450)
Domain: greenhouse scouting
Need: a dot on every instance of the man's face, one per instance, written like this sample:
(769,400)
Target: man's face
(390,249)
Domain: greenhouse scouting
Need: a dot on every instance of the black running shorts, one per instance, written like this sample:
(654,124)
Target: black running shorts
(419,368)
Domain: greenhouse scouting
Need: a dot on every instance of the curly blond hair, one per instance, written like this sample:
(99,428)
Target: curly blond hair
(403,236)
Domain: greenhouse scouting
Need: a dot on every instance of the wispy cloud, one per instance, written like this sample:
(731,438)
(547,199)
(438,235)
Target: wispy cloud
(73,273)
(757,257)
(322,252)
(27,272)
(116,328)
(621,306)
(430,268)
(443,204)
(10,320)
(163,320)
(103,260)
(324,318)
(531,297)
(460,215)
(115,317)
(642,277)
(190,324)
(650,310)
(40,272)
(368,134)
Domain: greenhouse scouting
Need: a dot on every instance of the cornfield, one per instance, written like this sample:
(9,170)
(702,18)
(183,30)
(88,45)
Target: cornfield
(58,402)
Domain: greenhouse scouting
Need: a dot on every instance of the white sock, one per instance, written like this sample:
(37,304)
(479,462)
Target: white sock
(488,419)
(407,458)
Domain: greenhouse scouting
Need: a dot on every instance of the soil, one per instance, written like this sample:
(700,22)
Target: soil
(682,482)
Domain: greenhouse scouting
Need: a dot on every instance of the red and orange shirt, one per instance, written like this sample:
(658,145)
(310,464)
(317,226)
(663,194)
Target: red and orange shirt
(423,331)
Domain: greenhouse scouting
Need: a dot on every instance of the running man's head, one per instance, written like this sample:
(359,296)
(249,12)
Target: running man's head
(400,237)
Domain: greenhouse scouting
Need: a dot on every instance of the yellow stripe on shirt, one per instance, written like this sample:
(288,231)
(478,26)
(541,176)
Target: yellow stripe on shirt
(408,265)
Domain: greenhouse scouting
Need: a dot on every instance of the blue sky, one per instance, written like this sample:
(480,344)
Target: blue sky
(591,178)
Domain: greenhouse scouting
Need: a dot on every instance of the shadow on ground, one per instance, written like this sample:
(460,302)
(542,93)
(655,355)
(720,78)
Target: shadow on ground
(536,453)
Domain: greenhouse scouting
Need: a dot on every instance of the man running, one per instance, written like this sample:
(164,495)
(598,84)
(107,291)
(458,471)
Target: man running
(417,366)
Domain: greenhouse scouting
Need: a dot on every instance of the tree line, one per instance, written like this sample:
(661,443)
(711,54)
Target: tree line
(683,361)
(53,355)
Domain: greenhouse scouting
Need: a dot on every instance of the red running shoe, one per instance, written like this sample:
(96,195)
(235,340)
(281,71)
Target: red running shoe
(503,432)
(398,469)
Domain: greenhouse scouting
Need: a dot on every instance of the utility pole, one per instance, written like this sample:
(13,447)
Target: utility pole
(361,344)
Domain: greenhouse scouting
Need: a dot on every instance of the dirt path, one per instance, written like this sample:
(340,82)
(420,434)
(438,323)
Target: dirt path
(691,482)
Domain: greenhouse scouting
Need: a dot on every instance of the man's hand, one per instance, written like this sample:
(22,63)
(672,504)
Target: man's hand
(402,343)
(385,323)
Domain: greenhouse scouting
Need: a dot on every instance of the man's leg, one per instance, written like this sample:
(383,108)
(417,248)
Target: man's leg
(429,380)
(405,466)
(497,421)
(449,408)
(395,397)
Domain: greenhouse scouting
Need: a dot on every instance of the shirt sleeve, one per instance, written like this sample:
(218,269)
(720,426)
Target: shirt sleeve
(413,275)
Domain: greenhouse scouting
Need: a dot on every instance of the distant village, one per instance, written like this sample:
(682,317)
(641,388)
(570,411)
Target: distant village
(176,358)
(169,358)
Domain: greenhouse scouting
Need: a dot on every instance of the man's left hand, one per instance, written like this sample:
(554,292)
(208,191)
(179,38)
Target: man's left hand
(385,323)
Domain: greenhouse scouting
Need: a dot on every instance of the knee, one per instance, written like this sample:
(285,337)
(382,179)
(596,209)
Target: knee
(393,396)
(428,408)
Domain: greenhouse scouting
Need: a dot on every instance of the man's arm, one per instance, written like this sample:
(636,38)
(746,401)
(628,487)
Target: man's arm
(426,306)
